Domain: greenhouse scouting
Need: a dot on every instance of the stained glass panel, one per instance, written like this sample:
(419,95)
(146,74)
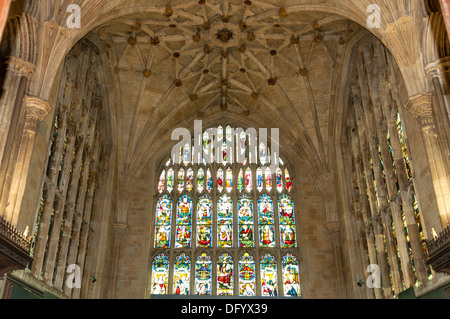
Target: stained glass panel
(160,275)
(181,180)
(162,181)
(225,222)
(247,285)
(200,180)
(203,275)
(163,221)
(220,180)
(269,283)
(229,180)
(287,222)
(190,180)
(259,179)
(266,222)
(245,217)
(225,275)
(184,222)
(170,178)
(181,275)
(291,281)
(204,221)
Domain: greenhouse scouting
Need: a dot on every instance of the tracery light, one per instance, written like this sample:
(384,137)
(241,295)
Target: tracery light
(291,281)
(247,275)
(160,275)
(203,275)
(225,206)
(182,275)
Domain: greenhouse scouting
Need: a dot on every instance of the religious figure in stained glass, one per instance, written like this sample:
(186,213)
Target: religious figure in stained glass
(184,218)
(203,275)
(268,273)
(182,275)
(291,281)
(162,181)
(266,221)
(245,217)
(163,221)
(160,275)
(247,276)
(225,275)
(254,232)
(204,221)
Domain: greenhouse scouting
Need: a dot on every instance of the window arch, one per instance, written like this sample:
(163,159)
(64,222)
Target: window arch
(230,204)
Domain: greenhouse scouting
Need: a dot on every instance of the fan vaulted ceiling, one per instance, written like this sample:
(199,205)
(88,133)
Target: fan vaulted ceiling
(248,61)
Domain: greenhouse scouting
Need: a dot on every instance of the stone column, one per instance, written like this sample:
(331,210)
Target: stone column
(35,111)
(16,78)
(420,106)
(333,230)
(119,231)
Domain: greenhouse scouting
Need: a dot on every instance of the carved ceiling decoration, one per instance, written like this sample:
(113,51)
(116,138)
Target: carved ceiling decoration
(198,59)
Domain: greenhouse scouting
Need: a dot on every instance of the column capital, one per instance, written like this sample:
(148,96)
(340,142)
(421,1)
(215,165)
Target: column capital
(20,67)
(438,67)
(420,106)
(36,110)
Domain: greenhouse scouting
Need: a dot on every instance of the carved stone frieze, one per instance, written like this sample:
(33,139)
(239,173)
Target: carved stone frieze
(420,106)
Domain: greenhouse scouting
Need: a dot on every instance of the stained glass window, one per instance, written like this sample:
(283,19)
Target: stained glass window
(203,275)
(184,217)
(200,180)
(245,217)
(206,195)
(162,181)
(287,221)
(247,286)
(190,180)
(259,180)
(181,180)
(163,222)
(220,180)
(268,272)
(182,275)
(266,221)
(204,221)
(225,275)
(291,281)
(225,222)
(160,275)
(170,178)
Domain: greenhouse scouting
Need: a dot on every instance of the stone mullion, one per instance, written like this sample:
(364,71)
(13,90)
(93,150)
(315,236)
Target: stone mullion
(66,98)
(52,188)
(77,219)
(55,234)
(414,237)
(81,254)
(91,159)
(370,127)
(375,215)
(76,171)
(86,218)
(405,261)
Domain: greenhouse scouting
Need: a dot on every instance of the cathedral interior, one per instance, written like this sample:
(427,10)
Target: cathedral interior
(313,159)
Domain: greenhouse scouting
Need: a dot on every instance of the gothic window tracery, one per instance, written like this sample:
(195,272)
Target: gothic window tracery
(235,220)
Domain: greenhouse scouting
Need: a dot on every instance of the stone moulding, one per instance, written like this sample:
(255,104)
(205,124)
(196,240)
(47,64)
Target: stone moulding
(14,248)
(439,252)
